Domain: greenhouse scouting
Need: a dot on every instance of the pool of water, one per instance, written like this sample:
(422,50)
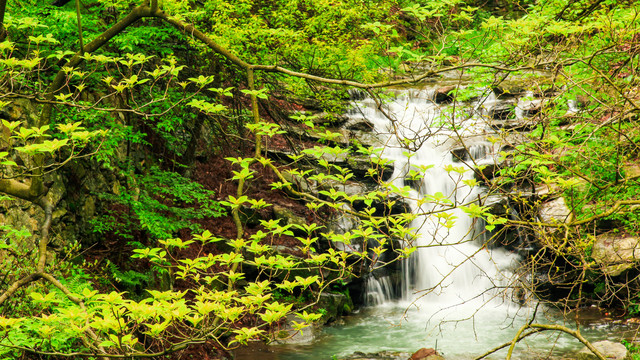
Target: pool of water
(396,327)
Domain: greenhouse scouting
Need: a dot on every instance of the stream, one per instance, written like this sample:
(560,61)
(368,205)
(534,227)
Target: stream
(456,294)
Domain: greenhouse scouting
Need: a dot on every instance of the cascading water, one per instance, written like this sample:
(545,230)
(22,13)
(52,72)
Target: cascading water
(453,294)
(450,270)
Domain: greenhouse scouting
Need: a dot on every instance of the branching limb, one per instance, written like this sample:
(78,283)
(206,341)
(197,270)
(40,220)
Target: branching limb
(545,327)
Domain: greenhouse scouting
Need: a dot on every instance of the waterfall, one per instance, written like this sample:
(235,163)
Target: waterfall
(452,268)
(454,295)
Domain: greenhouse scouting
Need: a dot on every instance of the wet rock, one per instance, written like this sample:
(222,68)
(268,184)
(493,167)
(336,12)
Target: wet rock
(325,118)
(631,171)
(486,171)
(423,354)
(616,253)
(381,355)
(502,110)
(528,108)
(290,336)
(609,349)
(365,138)
(513,124)
(361,124)
(287,215)
(508,89)
(444,94)
(359,131)
(350,188)
(555,211)
(497,205)
(301,183)
(335,305)
(459,154)
(364,168)
(357,94)
(280,154)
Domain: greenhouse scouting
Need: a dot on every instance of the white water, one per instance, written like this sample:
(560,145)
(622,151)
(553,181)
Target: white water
(455,294)
(451,274)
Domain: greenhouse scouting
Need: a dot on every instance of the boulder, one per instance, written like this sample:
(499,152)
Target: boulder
(365,168)
(358,130)
(423,354)
(359,123)
(517,124)
(528,108)
(486,170)
(290,336)
(555,211)
(631,171)
(365,138)
(350,188)
(508,89)
(444,94)
(459,154)
(287,215)
(609,349)
(502,110)
(301,183)
(331,119)
(335,305)
(616,253)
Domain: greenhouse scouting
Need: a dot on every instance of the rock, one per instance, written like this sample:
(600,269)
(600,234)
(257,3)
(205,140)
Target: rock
(279,154)
(339,224)
(364,168)
(609,349)
(509,89)
(350,188)
(444,94)
(361,124)
(513,124)
(404,67)
(359,130)
(335,305)
(357,94)
(89,208)
(631,171)
(528,108)
(497,204)
(423,354)
(486,170)
(502,110)
(366,138)
(288,216)
(325,118)
(381,355)
(459,154)
(554,211)
(290,336)
(616,253)
(301,183)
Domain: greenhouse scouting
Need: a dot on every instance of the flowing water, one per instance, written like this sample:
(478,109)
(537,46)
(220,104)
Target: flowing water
(455,294)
